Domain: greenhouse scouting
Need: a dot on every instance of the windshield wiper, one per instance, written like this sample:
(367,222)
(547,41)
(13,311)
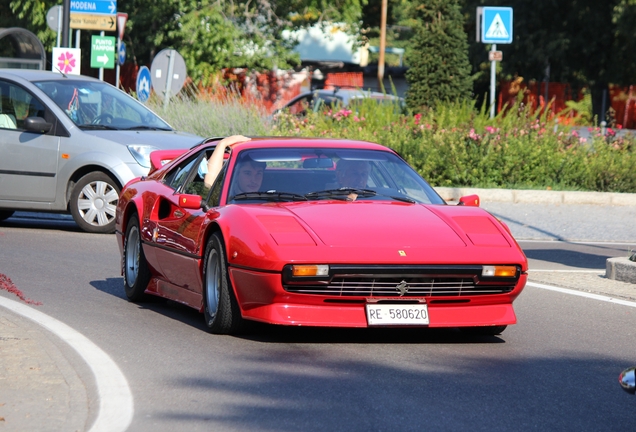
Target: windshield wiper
(146,128)
(97,127)
(345,192)
(342,193)
(269,196)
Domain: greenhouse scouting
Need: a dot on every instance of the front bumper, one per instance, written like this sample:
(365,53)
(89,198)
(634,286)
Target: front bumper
(262,298)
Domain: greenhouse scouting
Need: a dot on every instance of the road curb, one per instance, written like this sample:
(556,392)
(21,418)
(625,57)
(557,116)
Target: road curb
(621,269)
(539,196)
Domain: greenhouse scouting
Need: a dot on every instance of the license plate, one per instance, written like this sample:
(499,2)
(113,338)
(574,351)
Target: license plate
(395,314)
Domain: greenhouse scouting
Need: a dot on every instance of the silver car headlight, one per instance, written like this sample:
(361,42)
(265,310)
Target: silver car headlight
(141,153)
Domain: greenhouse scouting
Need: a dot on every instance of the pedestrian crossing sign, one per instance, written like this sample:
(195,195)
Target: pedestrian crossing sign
(496,25)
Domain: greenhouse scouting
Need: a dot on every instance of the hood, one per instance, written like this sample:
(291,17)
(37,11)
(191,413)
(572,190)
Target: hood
(373,224)
(367,232)
(163,140)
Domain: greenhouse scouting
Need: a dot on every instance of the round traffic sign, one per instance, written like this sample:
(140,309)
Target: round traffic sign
(143,84)
(168,62)
(54,17)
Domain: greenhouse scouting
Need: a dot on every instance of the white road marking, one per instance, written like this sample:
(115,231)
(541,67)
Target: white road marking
(582,294)
(116,405)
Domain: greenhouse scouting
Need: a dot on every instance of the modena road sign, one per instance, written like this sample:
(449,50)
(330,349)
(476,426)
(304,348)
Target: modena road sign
(103,52)
(496,25)
(94,15)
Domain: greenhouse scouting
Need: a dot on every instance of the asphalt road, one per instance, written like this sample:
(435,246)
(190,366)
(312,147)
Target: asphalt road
(556,369)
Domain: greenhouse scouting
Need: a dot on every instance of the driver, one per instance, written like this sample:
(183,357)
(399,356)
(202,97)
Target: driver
(352,173)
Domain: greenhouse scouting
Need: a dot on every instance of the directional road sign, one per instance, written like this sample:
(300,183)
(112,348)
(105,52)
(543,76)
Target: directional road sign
(108,7)
(121,54)
(143,84)
(496,25)
(94,15)
(103,52)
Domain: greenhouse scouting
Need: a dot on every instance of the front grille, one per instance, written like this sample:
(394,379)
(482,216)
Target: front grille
(429,282)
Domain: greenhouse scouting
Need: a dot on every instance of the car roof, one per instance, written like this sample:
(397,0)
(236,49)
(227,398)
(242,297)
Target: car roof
(41,75)
(270,142)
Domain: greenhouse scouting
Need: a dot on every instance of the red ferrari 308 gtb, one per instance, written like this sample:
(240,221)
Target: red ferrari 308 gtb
(314,232)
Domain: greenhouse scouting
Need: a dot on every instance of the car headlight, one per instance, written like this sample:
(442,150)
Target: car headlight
(141,153)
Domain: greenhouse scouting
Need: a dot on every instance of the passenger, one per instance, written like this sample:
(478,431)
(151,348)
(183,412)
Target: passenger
(352,173)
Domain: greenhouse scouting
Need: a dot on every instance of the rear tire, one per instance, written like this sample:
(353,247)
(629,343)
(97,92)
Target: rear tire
(93,202)
(6,214)
(220,308)
(484,330)
(136,270)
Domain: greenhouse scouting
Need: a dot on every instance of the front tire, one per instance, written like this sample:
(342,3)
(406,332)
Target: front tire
(93,202)
(220,308)
(136,270)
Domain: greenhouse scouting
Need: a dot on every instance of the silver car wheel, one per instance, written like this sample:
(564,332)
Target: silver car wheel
(212,281)
(97,202)
(132,256)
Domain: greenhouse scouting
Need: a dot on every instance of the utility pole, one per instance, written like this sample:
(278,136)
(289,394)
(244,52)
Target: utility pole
(382,45)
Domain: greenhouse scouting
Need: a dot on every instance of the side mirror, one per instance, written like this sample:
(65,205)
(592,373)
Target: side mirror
(37,124)
(627,380)
(469,200)
(192,202)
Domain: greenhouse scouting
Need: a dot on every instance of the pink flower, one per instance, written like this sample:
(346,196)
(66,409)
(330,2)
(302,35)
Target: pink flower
(66,62)
(417,118)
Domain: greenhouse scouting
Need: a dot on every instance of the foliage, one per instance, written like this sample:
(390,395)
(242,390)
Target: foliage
(213,115)
(439,67)
(454,144)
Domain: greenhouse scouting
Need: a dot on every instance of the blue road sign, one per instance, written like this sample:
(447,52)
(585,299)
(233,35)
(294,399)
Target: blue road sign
(496,25)
(143,84)
(108,7)
(121,54)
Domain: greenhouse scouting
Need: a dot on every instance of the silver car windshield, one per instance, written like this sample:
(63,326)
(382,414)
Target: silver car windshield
(97,105)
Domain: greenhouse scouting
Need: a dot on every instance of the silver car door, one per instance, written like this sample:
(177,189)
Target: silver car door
(28,160)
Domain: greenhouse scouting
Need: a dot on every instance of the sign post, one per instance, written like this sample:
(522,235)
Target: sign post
(121,47)
(494,25)
(94,15)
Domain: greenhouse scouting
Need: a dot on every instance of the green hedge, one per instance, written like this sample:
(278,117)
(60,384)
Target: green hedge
(452,145)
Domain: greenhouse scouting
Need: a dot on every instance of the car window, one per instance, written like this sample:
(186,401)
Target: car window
(16,104)
(301,106)
(178,175)
(195,184)
(90,103)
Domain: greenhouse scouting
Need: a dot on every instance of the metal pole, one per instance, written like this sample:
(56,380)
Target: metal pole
(382,44)
(59,24)
(101,69)
(78,33)
(117,63)
(166,97)
(66,22)
(493,73)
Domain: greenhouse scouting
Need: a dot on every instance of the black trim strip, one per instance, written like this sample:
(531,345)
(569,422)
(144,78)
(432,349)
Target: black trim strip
(173,250)
(27,173)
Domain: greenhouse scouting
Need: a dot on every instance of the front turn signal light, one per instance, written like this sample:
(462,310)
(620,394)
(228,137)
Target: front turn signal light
(499,271)
(310,270)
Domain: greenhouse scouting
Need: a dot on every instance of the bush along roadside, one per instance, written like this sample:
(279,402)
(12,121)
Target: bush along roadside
(457,145)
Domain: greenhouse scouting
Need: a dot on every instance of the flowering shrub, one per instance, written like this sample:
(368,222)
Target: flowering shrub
(451,145)
(457,145)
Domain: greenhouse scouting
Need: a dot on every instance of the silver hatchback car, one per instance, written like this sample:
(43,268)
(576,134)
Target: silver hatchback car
(69,144)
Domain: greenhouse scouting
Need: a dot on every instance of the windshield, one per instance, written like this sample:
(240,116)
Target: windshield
(302,174)
(98,105)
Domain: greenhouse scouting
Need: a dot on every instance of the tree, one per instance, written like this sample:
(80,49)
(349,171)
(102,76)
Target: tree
(581,42)
(439,69)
